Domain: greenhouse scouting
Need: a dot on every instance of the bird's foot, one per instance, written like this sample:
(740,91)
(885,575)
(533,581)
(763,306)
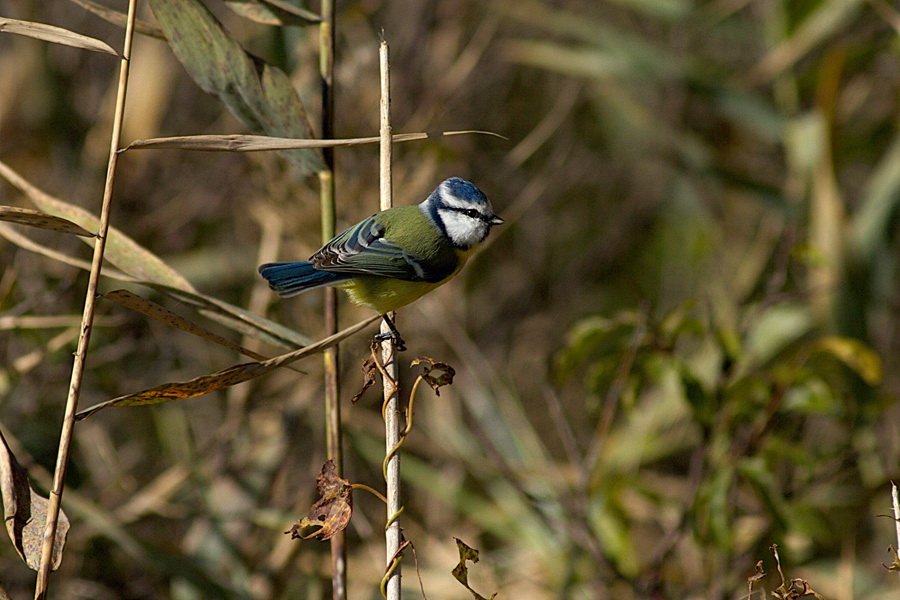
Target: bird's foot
(392,335)
(399,344)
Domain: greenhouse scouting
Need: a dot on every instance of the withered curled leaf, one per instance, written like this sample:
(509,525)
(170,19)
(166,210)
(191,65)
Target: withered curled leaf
(444,373)
(369,371)
(461,570)
(331,512)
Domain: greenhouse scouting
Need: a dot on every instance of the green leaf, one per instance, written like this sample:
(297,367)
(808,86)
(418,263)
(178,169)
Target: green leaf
(612,525)
(872,223)
(855,354)
(679,320)
(260,96)
(55,35)
(775,329)
(702,404)
(595,335)
(811,396)
(713,515)
(755,471)
(34,218)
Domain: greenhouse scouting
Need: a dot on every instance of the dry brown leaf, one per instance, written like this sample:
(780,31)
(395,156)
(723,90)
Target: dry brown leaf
(25,512)
(121,250)
(157,312)
(233,375)
(260,143)
(273,12)
(369,372)
(795,589)
(461,570)
(436,382)
(331,512)
(895,562)
(760,573)
(119,18)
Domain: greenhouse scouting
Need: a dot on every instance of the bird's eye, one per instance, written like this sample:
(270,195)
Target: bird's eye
(471,212)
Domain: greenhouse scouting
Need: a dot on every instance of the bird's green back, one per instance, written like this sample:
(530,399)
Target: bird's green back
(409,228)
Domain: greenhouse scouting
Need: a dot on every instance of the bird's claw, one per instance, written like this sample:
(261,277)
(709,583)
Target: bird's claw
(399,344)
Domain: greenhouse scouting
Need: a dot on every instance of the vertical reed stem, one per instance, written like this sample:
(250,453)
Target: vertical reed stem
(330,357)
(87,320)
(895,502)
(391,388)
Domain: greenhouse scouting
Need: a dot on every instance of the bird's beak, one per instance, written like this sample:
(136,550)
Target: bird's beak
(495,220)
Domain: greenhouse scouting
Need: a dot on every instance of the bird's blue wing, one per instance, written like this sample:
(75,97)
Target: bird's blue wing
(363,250)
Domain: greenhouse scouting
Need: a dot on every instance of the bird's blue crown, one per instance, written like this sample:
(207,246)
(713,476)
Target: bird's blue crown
(464,190)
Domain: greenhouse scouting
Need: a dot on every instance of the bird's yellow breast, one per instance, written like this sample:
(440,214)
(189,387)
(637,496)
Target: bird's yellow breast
(385,294)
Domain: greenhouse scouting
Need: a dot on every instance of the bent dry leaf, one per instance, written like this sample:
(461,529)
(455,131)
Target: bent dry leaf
(36,218)
(55,35)
(163,315)
(273,12)
(25,512)
(461,570)
(233,375)
(198,386)
(332,511)
(139,265)
(233,317)
(119,18)
(236,318)
(258,95)
(233,142)
(121,250)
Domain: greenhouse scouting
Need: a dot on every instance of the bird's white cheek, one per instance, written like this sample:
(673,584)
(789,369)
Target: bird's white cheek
(463,231)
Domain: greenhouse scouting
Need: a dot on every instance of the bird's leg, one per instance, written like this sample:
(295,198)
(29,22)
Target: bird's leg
(392,335)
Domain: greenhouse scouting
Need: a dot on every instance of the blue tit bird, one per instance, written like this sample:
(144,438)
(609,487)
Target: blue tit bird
(397,255)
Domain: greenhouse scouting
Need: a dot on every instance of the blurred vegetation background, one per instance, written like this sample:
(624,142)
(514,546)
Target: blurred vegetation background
(681,349)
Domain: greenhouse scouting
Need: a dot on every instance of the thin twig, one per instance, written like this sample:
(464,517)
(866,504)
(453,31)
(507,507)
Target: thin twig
(391,584)
(65,439)
(371,490)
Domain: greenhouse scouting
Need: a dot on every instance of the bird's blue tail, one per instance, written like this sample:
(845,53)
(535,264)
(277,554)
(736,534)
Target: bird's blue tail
(292,278)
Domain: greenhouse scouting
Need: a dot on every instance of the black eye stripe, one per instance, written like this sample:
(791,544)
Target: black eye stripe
(469,212)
